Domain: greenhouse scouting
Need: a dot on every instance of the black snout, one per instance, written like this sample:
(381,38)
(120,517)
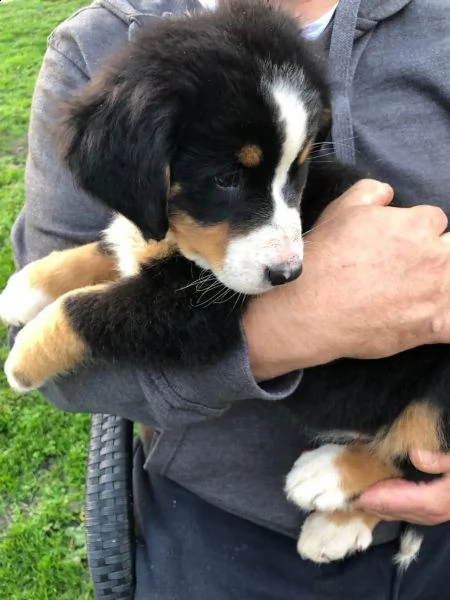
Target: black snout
(283,273)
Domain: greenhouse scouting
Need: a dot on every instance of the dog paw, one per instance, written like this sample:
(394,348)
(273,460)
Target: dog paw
(45,348)
(314,481)
(16,370)
(325,538)
(27,363)
(19,302)
(17,378)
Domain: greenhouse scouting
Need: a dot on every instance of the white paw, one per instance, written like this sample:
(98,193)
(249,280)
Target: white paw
(323,540)
(314,481)
(19,303)
(12,368)
(15,382)
(20,366)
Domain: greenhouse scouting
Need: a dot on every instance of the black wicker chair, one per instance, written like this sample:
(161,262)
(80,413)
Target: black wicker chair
(110,532)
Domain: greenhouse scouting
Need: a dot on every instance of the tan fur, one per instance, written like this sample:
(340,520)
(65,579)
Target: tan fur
(67,270)
(250,156)
(167,176)
(175,190)
(359,467)
(341,518)
(146,434)
(48,345)
(193,239)
(325,118)
(304,153)
(156,250)
(419,426)
(362,465)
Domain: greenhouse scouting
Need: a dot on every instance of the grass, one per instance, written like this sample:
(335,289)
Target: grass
(42,451)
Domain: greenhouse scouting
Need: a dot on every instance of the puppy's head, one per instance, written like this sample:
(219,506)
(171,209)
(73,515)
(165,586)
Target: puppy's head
(203,128)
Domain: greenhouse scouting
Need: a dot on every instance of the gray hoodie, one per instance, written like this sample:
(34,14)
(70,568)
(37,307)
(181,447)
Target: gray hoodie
(219,433)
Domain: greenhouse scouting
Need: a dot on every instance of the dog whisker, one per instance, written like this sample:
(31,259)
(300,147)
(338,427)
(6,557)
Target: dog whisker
(219,298)
(208,288)
(333,143)
(199,280)
(240,297)
(316,227)
(212,288)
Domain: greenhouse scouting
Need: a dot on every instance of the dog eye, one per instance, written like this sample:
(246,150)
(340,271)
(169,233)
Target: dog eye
(230,180)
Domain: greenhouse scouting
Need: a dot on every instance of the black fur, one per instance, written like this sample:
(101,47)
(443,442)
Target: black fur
(152,318)
(409,471)
(175,97)
(186,95)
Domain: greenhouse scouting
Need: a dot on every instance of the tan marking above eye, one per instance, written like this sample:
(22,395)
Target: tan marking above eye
(304,153)
(175,189)
(250,155)
(193,239)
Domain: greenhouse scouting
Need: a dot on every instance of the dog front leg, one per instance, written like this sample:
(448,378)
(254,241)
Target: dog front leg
(41,282)
(49,345)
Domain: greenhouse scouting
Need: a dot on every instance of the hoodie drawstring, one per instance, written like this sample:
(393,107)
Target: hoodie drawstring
(340,66)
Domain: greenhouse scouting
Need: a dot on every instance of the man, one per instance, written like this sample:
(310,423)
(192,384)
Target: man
(215,523)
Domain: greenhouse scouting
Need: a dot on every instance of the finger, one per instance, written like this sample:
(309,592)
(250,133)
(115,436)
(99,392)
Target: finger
(367,192)
(430,462)
(409,518)
(387,496)
(433,215)
(423,503)
(445,238)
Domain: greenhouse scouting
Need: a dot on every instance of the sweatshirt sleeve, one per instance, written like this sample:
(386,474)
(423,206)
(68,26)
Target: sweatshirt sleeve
(57,215)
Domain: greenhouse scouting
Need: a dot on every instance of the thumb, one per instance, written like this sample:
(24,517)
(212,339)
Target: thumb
(389,496)
(367,192)
(430,462)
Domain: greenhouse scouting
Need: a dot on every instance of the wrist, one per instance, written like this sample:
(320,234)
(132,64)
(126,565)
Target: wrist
(284,333)
(268,350)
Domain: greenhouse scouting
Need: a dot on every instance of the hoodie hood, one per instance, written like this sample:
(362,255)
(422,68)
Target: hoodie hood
(136,12)
(354,23)
(371,12)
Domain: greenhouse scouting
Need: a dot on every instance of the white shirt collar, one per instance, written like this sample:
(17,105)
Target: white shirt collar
(313,30)
(209,4)
(310,31)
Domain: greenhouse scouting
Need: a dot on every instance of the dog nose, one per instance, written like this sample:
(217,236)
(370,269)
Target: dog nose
(283,272)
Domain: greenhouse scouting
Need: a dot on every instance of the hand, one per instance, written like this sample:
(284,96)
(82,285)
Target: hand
(376,281)
(424,503)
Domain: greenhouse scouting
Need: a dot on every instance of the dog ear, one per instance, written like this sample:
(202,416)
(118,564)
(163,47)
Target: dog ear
(115,137)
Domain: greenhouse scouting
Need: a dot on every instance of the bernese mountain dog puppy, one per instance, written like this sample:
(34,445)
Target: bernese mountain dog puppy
(198,136)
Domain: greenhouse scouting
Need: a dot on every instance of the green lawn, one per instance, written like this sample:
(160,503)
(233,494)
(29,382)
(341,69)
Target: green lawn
(42,451)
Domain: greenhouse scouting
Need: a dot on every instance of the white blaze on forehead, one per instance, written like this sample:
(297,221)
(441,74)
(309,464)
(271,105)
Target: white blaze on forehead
(279,239)
(293,123)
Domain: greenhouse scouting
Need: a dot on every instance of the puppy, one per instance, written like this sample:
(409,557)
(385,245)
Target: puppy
(199,137)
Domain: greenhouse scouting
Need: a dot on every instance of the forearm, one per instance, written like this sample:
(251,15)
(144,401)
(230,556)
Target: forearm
(375,283)
(166,398)
(284,334)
